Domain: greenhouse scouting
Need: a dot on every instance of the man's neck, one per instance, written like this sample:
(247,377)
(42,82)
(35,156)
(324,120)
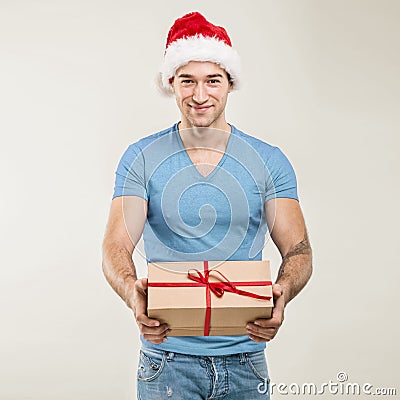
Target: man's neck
(205,137)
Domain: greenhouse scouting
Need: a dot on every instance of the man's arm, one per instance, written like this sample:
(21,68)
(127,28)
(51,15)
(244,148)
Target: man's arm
(125,226)
(288,231)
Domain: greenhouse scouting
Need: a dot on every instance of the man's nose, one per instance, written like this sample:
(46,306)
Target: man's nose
(200,94)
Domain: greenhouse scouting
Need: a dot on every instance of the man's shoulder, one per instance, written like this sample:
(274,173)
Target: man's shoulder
(256,143)
(145,141)
(272,155)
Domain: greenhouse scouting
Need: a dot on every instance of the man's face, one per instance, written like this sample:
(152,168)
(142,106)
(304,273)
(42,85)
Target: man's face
(201,91)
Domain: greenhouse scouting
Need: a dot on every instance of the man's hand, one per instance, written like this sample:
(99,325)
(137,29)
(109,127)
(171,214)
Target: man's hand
(150,328)
(264,330)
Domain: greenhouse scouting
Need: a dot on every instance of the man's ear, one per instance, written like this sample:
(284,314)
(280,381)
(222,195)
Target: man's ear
(171,82)
(230,82)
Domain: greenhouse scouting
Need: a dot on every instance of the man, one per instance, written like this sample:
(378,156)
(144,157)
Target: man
(203,190)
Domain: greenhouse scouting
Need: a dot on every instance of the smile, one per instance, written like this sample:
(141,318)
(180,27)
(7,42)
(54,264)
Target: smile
(201,109)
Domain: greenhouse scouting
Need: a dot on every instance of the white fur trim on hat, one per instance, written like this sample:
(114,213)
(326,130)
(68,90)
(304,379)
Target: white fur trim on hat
(198,48)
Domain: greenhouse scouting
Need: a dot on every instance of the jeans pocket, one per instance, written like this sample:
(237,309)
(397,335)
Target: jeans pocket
(151,364)
(258,364)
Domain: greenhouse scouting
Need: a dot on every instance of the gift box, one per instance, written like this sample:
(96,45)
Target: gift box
(209,297)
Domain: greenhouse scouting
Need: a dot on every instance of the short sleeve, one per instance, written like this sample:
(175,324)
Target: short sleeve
(281,179)
(130,174)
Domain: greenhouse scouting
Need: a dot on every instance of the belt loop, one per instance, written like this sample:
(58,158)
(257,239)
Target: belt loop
(242,358)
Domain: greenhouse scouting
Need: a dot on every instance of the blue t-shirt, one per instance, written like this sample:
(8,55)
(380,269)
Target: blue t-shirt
(193,218)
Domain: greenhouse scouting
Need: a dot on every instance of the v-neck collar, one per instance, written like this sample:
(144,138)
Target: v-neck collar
(189,160)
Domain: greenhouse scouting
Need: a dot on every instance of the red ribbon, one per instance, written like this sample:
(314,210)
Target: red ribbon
(218,288)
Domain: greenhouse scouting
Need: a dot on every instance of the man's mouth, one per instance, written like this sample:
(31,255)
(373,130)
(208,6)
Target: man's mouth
(201,109)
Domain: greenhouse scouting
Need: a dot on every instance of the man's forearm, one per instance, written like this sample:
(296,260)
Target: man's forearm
(119,271)
(296,269)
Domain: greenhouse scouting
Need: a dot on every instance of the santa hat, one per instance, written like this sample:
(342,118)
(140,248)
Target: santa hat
(193,38)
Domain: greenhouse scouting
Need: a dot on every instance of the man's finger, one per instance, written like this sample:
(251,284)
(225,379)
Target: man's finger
(258,339)
(150,330)
(259,329)
(279,307)
(145,320)
(277,290)
(266,333)
(140,297)
(141,287)
(140,306)
(262,333)
(155,340)
(141,283)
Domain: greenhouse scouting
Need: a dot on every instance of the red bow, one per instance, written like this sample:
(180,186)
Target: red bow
(219,288)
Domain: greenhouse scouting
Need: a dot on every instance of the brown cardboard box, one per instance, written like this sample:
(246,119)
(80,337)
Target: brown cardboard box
(182,304)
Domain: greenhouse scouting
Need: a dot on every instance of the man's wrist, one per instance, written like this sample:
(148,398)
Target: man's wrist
(129,287)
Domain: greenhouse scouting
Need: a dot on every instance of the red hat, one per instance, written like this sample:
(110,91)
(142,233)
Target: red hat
(193,38)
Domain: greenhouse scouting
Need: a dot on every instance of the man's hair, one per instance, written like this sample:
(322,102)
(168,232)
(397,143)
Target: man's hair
(229,78)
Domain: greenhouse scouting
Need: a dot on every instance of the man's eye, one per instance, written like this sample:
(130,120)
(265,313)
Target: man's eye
(187,81)
(213,81)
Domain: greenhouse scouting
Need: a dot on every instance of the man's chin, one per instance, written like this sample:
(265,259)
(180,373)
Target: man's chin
(201,123)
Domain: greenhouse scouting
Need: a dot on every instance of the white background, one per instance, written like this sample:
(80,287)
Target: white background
(321,82)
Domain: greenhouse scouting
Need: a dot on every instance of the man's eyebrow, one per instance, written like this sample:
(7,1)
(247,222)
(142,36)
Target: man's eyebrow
(215,76)
(208,76)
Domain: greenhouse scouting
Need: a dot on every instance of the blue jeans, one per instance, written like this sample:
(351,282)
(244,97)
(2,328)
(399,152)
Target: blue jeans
(174,376)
